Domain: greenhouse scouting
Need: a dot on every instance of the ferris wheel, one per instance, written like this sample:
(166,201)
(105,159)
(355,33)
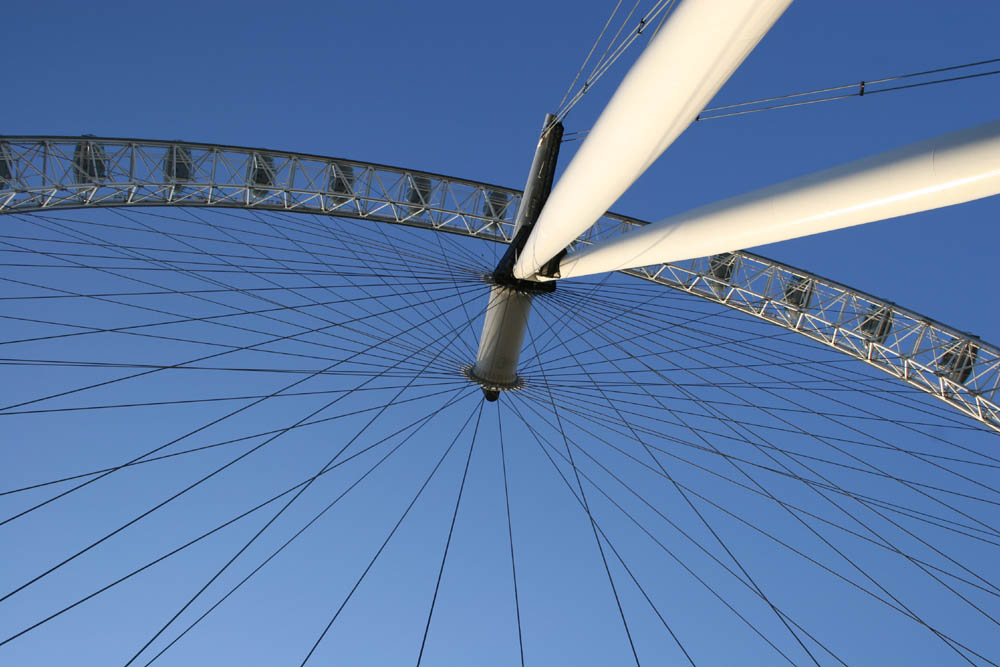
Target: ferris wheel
(273,406)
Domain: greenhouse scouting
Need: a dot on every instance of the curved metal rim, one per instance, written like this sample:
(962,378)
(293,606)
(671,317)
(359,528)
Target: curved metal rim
(57,172)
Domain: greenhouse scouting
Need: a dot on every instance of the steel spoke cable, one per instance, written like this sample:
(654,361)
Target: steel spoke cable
(308,265)
(392,532)
(538,348)
(146,512)
(835,420)
(593,526)
(184,320)
(165,268)
(418,248)
(615,314)
(575,378)
(205,318)
(402,330)
(863,88)
(905,423)
(617,322)
(794,550)
(49,297)
(733,425)
(614,38)
(160,448)
(425,260)
(510,534)
(451,532)
(403,260)
(747,488)
(296,309)
(445,379)
(229,522)
(661,6)
(829,486)
(167,257)
(622,387)
(294,338)
(691,505)
(229,349)
(449,386)
(270,522)
(587,301)
(598,419)
(606,540)
(948,639)
(286,288)
(422,260)
(595,419)
(593,48)
(874,533)
(131,330)
(829,94)
(407,330)
(468,346)
(249,347)
(424,420)
(63,363)
(583,395)
(616,311)
(277,434)
(543,444)
(743,472)
(680,562)
(729,512)
(211,318)
(351,231)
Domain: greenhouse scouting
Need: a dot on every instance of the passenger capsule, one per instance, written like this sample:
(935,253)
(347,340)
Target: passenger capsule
(495,205)
(178,167)
(90,164)
(798,292)
(6,167)
(260,174)
(877,323)
(958,360)
(721,267)
(419,194)
(341,183)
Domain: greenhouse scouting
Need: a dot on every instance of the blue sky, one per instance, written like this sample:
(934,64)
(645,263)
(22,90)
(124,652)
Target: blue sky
(461,88)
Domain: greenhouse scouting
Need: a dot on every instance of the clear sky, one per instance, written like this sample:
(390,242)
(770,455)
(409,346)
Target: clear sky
(461,88)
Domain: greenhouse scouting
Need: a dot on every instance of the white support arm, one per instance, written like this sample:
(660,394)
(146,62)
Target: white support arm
(695,52)
(948,169)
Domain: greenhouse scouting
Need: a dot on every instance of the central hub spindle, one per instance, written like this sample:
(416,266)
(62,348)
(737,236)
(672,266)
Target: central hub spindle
(509,306)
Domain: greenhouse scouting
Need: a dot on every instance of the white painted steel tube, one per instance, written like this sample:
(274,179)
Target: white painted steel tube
(503,334)
(948,169)
(682,68)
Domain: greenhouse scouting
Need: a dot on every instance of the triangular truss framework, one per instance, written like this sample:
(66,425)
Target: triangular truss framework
(39,173)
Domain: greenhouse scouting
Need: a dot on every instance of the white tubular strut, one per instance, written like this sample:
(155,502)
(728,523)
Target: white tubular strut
(503,335)
(695,52)
(948,169)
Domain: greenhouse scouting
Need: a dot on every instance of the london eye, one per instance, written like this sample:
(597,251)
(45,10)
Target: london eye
(263,405)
